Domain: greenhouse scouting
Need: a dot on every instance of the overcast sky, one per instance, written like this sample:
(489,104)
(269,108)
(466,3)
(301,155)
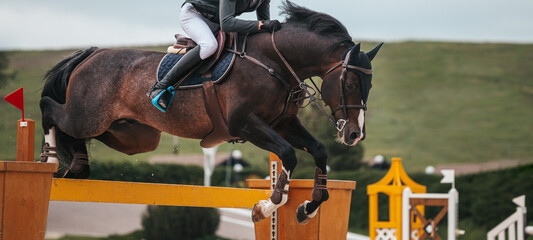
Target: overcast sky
(56,24)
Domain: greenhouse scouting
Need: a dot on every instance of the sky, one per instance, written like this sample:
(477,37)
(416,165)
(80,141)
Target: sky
(59,24)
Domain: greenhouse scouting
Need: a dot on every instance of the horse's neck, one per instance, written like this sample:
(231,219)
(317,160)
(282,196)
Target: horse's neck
(305,52)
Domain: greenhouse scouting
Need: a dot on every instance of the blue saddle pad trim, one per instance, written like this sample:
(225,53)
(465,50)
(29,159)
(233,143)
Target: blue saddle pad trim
(170,59)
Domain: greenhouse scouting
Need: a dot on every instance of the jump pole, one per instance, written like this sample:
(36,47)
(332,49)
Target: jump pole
(78,190)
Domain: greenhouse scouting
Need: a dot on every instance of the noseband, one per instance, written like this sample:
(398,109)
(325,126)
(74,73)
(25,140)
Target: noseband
(341,122)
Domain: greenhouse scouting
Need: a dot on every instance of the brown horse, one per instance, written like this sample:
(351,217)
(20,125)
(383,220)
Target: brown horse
(101,94)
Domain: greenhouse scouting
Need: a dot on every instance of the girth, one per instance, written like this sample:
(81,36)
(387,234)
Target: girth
(220,133)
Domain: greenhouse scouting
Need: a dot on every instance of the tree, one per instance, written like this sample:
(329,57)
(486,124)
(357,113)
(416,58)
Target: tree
(5,74)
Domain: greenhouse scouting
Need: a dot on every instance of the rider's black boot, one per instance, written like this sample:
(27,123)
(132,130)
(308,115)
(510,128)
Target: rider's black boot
(182,67)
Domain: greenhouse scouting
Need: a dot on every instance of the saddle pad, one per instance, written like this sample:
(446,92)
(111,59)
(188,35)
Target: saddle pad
(195,79)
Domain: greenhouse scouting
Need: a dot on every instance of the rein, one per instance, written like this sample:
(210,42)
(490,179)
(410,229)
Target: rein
(341,122)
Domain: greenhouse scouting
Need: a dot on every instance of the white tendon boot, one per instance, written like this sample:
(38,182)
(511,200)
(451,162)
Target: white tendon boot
(49,149)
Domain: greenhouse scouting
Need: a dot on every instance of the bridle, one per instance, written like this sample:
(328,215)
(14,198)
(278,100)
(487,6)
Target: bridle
(341,122)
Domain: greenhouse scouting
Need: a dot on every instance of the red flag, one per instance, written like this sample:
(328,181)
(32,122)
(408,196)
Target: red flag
(17,99)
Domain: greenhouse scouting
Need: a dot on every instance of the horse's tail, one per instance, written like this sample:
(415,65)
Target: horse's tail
(56,79)
(55,87)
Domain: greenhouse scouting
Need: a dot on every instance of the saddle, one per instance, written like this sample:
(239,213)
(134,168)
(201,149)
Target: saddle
(183,44)
(219,133)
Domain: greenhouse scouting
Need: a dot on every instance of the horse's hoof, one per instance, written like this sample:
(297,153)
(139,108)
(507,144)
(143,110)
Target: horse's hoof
(257,213)
(61,172)
(83,173)
(301,216)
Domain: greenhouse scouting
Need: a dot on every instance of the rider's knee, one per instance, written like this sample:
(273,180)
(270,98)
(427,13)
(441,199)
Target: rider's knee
(207,49)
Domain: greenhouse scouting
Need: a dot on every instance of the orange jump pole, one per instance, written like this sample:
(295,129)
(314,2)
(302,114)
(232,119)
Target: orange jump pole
(331,221)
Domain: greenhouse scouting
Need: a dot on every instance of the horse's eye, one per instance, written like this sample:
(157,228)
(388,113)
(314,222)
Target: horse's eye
(349,86)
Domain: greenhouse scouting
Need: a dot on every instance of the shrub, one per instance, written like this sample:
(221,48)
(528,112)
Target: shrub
(344,158)
(174,223)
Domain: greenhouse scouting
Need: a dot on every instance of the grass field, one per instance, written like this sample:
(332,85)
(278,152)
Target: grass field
(431,103)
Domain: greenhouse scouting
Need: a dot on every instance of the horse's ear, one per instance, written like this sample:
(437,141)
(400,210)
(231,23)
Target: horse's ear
(354,55)
(356,49)
(374,51)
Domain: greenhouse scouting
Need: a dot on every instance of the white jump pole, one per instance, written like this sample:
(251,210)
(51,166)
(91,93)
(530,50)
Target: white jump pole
(453,200)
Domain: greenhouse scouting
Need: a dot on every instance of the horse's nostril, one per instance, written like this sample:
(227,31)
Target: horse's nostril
(354,135)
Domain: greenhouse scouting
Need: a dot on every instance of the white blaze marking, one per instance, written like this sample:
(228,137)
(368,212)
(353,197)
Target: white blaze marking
(361,121)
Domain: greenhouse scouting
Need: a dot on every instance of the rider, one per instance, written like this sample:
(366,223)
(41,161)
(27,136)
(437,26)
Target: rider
(199,19)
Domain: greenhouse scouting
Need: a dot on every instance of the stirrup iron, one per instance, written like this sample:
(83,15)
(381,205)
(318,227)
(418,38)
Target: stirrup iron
(170,91)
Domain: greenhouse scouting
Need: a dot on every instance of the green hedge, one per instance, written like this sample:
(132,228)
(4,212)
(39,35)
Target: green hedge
(219,176)
(486,198)
(164,173)
(145,172)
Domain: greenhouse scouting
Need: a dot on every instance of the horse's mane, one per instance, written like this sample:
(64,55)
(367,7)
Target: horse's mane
(316,22)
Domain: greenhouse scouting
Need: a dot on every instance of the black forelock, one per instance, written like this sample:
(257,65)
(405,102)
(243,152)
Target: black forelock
(316,22)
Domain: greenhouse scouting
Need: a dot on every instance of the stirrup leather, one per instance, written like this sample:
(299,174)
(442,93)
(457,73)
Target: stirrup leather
(170,90)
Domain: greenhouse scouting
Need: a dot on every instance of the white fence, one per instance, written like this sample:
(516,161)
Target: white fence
(513,225)
(452,197)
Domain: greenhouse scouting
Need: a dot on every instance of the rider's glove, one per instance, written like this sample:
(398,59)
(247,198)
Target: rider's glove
(270,25)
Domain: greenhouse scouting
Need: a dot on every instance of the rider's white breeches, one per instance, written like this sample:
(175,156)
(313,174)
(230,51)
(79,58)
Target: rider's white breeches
(198,29)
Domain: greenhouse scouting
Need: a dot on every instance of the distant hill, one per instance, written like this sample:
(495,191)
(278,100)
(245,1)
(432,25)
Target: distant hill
(451,102)
(431,103)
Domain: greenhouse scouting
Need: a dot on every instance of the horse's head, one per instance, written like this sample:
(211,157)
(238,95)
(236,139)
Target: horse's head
(346,91)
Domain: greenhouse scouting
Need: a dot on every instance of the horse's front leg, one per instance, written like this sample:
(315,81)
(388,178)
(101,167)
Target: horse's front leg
(296,134)
(262,135)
